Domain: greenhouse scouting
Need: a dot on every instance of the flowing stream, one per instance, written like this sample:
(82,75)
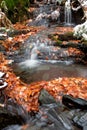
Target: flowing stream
(40,60)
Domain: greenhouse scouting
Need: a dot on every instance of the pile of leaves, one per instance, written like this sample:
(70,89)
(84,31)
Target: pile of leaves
(75,87)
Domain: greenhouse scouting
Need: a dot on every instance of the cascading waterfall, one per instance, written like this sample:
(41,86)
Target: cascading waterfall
(36,46)
(40,50)
(68,14)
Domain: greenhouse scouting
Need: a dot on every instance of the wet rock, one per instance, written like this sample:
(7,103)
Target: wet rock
(12,33)
(66,36)
(76,103)
(60,118)
(80,119)
(46,98)
(6,119)
(54,112)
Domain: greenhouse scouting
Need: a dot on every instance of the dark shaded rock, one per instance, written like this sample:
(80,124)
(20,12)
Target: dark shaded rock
(83,47)
(6,119)
(77,16)
(32,1)
(76,103)
(12,33)
(68,44)
(66,36)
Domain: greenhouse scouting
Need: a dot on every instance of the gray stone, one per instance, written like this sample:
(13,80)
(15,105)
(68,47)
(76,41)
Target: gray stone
(46,98)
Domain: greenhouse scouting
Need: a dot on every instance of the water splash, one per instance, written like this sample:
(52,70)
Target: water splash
(29,64)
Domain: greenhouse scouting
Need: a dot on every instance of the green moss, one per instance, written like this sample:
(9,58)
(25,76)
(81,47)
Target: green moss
(55,37)
(69,34)
(17,10)
(59,42)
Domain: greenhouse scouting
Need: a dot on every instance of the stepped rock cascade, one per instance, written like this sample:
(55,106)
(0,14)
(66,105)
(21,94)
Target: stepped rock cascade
(44,81)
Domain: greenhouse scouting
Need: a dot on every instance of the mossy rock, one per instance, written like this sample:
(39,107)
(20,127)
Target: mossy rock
(59,42)
(67,36)
(63,37)
(53,37)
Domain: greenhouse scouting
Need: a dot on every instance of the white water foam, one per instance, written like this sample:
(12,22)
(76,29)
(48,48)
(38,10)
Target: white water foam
(30,63)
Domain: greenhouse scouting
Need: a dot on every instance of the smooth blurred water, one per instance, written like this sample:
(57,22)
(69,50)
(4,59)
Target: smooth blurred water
(47,70)
(68,13)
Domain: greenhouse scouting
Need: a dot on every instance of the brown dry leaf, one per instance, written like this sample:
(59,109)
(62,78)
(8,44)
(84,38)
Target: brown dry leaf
(74,51)
(72,86)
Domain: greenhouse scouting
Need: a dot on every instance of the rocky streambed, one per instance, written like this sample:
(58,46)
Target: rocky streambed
(46,78)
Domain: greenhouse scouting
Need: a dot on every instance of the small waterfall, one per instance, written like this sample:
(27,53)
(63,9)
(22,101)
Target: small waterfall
(40,50)
(36,51)
(68,14)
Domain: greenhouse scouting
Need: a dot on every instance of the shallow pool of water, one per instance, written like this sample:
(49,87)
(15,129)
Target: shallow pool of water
(38,70)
